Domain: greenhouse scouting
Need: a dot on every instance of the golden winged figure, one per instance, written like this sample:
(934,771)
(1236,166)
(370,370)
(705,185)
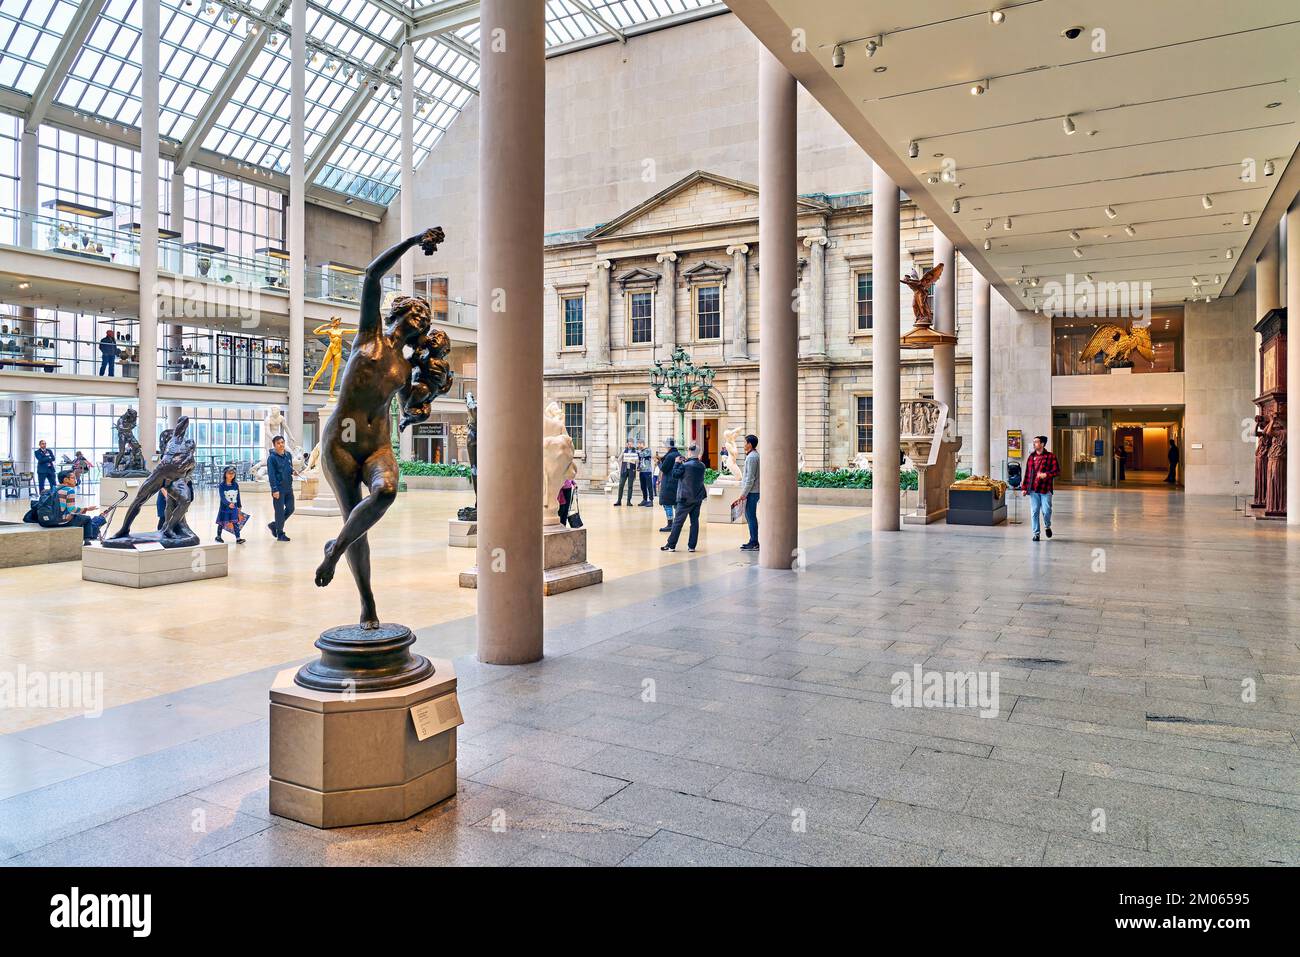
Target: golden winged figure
(1116,343)
(921,293)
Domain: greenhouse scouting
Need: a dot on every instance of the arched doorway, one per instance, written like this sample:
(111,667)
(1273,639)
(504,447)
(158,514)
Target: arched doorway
(703,424)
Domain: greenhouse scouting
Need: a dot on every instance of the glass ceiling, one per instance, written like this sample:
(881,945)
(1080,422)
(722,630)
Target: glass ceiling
(353,71)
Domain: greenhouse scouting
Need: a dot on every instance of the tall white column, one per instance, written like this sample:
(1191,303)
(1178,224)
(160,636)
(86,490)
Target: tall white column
(945,320)
(885,386)
(666,314)
(778,339)
(598,328)
(149,185)
(1268,289)
(512,191)
(816,246)
(1293,359)
(739,301)
(981,374)
(175,332)
(406,197)
(28,204)
(297,212)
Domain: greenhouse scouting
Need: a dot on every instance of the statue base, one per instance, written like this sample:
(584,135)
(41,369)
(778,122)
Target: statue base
(355,659)
(564,562)
(110,492)
(322,505)
(462,534)
(153,565)
(717,507)
(342,758)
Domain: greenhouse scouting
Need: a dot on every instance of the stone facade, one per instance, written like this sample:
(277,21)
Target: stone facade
(684,262)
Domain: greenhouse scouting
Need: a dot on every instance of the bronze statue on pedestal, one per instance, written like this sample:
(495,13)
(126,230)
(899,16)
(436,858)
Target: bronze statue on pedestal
(173,471)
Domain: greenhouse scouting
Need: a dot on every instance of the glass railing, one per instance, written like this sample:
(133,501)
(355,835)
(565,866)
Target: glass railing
(34,352)
(72,236)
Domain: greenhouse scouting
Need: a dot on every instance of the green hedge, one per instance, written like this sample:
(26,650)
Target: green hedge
(846,478)
(432,468)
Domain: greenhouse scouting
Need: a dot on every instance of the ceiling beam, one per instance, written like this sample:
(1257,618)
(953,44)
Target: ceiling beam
(235,73)
(600,21)
(65,55)
(444,16)
(350,114)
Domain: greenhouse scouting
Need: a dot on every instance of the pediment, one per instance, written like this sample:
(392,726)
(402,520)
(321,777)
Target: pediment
(705,271)
(700,199)
(638,277)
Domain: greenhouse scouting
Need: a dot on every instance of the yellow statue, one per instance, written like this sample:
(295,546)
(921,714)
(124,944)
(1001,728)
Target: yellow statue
(334,353)
(1116,343)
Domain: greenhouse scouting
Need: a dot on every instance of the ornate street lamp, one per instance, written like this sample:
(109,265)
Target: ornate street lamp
(682,383)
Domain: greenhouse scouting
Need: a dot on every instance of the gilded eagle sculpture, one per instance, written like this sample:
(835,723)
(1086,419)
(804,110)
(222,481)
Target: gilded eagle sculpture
(1116,344)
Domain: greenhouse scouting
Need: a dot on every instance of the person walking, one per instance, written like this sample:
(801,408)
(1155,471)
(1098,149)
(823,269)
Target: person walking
(1172,477)
(1041,468)
(44,457)
(279,474)
(645,464)
(108,353)
(691,493)
(668,483)
(231,516)
(628,465)
(565,498)
(749,492)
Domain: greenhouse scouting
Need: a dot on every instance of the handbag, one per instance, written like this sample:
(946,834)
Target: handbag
(575,519)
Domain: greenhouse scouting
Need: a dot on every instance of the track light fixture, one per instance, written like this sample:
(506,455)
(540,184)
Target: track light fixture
(837,56)
(980,88)
(956,205)
(997,16)
(874,44)
(1087,277)
(932,179)
(1245,219)
(1074,234)
(1207,202)
(1006,223)
(1227,253)
(1067,125)
(1110,212)
(988,244)
(913,149)
(1130,230)
(1078,253)
(1269,168)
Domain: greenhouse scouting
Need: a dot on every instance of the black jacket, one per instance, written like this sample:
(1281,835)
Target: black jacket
(108,347)
(667,480)
(44,459)
(279,472)
(689,474)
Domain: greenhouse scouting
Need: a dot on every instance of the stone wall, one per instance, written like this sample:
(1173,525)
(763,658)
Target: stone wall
(1220,358)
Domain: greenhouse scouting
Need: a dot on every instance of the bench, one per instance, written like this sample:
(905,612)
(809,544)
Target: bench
(22,544)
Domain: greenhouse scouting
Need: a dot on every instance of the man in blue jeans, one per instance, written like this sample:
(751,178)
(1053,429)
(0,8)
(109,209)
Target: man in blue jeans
(749,492)
(1041,468)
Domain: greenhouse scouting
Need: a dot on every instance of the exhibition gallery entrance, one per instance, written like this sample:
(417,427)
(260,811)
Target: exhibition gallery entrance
(1119,448)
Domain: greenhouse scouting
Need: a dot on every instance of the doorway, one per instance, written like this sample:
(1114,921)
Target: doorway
(1119,448)
(704,433)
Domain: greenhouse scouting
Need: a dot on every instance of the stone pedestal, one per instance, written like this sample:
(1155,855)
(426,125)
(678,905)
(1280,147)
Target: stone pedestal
(341,758)
(263,487)
(322,501)
(150,566)
(564,562)
(111,489)
(976,507)
(936,470)
(462,534)
(22,544)
(717,507)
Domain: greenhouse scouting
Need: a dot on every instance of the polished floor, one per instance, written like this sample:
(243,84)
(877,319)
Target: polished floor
(697,709)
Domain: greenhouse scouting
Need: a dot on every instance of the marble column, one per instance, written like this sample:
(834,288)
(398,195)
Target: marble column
(884,352)
(778,340)
(598,328)
(175,331)
(1293,361)
(1268,289)
(981,374)
(175,366)
(297,213)
(666,312)
(147,341)
(406,198)
(945,320)
(739,301)
(512,189)
(816,246)
(29,204)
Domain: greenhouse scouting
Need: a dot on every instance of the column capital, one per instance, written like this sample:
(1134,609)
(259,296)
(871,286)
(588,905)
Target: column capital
(742,249)
(811,241)
(667,256)
(600,264)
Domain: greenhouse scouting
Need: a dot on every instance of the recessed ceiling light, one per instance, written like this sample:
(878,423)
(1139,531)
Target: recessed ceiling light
(1272,106)
(938,156)
(880,69)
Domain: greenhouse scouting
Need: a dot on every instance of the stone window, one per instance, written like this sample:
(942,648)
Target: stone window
(573,422)
(634,420)
(573,309)
(863,421)
(862,299)
(708,312)
(640,312)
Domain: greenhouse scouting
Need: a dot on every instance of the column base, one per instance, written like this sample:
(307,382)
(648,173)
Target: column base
(564,562)
(928,519)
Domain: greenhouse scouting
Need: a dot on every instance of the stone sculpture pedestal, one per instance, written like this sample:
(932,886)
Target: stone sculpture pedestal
(111,489)
(150,566)
(341,758)
(462,534)
(717,507)
(933,478)
(564,562)
(321,502)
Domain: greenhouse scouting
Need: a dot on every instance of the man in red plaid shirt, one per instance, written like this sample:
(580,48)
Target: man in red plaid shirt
(1041,468)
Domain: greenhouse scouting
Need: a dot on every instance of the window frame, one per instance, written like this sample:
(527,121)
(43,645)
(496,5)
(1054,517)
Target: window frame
(859,425)
(630,295)
(580,296)
(696,289)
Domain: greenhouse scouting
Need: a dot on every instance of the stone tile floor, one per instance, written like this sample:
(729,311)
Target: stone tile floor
(1147,713)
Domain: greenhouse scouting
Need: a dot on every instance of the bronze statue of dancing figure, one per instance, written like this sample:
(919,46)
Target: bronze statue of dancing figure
(356,443)
(173,471)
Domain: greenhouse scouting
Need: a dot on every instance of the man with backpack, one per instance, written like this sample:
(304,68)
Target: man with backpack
(58,507)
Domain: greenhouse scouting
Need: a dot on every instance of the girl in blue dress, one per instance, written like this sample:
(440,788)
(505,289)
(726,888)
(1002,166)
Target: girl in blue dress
(230,516)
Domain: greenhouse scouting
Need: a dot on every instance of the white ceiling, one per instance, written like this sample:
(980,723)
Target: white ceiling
(1178,99)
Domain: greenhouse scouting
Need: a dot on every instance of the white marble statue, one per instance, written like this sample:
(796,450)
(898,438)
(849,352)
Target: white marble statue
(557,462)
(733,444)
(275,424)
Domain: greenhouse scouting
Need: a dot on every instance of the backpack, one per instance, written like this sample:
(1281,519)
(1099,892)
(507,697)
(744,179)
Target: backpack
(47,509)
